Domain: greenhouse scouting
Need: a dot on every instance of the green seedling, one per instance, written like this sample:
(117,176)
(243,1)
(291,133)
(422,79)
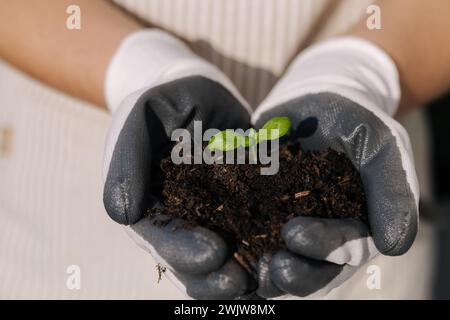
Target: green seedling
(229,140)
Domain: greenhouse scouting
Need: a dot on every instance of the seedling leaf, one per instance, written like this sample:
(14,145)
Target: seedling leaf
(274,129)
(252,137)
(226,140)
(229,140)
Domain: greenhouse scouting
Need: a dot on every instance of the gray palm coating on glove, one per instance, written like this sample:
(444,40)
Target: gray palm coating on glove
(328,120)
(199,257)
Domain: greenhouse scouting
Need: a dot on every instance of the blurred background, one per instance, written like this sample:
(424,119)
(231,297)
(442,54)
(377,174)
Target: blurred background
(437,115)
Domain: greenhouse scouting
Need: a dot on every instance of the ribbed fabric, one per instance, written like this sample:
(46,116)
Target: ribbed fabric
(51,211)
(252,41)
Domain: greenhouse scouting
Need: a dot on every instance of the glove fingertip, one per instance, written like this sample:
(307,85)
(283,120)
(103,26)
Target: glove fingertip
(266,288)
(191,250)
(301,276)
(119,205)
(403,239)
(229,282)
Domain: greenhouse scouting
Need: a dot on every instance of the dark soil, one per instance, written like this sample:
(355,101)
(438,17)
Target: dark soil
(249,209)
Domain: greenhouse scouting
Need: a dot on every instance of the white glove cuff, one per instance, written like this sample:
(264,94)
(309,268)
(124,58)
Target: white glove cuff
(151,57)
(349,66)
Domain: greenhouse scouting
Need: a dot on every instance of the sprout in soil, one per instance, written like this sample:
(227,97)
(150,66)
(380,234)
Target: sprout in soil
(229,139)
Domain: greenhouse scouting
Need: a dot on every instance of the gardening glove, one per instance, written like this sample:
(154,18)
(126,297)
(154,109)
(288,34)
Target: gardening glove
(342,94)
(154,85)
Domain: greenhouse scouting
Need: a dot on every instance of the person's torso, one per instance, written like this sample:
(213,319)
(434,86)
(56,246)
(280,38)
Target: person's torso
(252,41)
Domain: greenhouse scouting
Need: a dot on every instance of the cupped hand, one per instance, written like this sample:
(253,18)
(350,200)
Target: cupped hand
(197,259)
(323,253)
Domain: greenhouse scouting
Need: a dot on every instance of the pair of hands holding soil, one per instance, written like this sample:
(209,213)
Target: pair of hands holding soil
(228,232)
(324,239)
